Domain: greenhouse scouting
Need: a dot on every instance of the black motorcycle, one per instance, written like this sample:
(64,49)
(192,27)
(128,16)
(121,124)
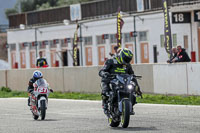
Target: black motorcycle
(121,99)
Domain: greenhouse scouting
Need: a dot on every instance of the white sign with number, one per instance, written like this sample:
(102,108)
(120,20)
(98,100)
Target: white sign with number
(140,5)
(75,12)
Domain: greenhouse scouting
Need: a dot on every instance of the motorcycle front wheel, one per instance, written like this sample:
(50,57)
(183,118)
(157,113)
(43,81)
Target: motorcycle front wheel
(125,113)
(43,109)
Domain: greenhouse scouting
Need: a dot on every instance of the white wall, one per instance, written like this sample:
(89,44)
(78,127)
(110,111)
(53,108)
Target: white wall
(193,73)
(170,78)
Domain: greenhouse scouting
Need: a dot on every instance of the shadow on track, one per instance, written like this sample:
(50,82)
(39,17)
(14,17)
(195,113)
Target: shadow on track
(47,120)
(136,128)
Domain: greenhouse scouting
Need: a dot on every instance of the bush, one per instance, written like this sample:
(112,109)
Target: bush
(6,89)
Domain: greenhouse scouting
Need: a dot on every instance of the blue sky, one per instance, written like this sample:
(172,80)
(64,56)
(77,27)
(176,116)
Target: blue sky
(3,5)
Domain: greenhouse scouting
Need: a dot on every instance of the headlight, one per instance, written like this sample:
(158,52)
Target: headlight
(130,87)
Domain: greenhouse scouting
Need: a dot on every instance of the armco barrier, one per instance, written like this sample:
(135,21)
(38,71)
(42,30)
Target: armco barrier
(180,78)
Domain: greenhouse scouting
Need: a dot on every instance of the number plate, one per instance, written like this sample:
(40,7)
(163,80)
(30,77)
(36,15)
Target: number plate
(42,90)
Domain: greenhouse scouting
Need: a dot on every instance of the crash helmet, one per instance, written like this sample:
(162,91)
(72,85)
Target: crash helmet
(125,56)
(37,74)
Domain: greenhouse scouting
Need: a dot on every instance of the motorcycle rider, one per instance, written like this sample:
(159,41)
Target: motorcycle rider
(36,75)
(120,64)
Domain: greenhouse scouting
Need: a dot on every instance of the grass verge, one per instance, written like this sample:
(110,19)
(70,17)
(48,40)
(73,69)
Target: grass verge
(147,98)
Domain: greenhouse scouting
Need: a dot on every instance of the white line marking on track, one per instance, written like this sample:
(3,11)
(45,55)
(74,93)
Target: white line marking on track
(97,101)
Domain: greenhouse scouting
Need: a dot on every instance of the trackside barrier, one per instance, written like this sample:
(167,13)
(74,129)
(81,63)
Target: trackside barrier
(180,78)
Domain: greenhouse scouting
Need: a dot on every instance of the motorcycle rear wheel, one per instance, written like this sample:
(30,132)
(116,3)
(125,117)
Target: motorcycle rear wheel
(125,113)
(43,109)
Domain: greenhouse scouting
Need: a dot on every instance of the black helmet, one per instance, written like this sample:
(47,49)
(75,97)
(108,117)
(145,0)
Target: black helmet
(125,56)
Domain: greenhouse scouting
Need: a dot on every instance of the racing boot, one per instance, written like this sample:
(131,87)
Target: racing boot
(132,111)
(29,101)
(105,105)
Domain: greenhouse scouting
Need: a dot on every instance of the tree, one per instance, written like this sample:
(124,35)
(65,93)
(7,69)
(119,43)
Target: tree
(10,11)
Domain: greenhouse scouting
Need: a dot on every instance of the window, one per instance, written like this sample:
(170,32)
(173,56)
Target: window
(12,47)
(147,5)
(32,45)
(143,36)
(42,44)
(128,38)
(174,40)
(22,46)
(113,38)
(100,40)
(64,42)
(88,40)
(162,41)
(52,44)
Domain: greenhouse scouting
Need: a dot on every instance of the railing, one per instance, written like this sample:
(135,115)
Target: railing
(98,9)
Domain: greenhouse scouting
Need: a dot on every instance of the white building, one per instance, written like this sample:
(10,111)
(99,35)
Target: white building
(55,40)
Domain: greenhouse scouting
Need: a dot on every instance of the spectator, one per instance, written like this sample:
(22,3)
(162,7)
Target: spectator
(41,62)
(117,50)
(175,57)
(182,55)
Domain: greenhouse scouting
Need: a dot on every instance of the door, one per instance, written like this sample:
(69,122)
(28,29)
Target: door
(130,47)
(53,58)
(23,59)
(155,59)
(13,59)
(65,58)
(144,53)
(88,52)
(32,59)
(101,52)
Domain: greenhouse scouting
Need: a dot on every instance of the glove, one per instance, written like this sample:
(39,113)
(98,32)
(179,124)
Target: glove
(51,90)
(30,91)
(138,91)
(106,74)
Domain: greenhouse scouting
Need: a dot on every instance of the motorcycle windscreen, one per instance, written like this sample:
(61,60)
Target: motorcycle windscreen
(124,78)
(41,83)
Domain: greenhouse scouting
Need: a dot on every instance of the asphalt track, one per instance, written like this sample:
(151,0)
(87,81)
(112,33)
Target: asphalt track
(75,116)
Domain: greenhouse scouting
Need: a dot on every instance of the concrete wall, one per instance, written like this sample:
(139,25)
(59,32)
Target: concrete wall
(180,78)
(193,71)
(2,78)
(170,78)
(146,71)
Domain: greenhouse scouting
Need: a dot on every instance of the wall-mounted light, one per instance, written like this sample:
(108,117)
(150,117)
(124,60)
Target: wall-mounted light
(22,26)
(66,21)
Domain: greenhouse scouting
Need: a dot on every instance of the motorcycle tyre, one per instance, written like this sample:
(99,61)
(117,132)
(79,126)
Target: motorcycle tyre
(125,113)
(43,109)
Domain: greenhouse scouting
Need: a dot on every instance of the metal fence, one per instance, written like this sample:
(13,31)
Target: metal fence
(104,8)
